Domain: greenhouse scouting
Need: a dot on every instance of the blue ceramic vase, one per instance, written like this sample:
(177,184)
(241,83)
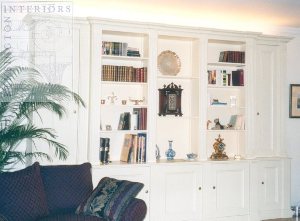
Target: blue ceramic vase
(170,153)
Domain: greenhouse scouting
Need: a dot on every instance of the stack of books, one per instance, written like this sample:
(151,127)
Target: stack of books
(133,52)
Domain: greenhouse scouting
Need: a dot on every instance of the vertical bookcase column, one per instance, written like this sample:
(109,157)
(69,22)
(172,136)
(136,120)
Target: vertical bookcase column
(119,92)
(152,98)
(226,85)
(95,89)
(282,150)
(203,154)
(183,49)
(250,111)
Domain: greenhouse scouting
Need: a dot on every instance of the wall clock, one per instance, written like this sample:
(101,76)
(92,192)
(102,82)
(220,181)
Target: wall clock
(170,100)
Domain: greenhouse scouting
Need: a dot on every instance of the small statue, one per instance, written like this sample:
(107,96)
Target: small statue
(207,124)
(218,125)
(137,101)
(157,153)
(112,98)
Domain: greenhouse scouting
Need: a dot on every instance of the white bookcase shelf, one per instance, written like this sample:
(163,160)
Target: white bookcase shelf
(126,58)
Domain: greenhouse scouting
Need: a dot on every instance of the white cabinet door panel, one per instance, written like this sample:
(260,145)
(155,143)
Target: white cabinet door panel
(176,192)
(227,190)
(265,100)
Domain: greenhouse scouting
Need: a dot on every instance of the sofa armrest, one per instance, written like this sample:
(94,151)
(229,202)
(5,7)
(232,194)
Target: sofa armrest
(136,211)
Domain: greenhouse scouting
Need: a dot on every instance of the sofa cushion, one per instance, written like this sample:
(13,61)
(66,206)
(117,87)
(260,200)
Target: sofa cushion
(135,211)
(22,195)
(66,186)
(110,198)
(70,217)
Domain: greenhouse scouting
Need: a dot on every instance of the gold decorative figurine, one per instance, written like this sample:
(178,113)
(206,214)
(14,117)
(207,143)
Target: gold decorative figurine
(219,148)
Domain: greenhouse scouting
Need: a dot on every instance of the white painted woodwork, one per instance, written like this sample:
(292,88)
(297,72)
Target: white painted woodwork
(270,189)
(63,58)
(266,96)
(198,50)
(226,189)
(176,192)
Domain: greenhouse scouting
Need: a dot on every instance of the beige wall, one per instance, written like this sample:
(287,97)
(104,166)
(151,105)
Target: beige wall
(292,125)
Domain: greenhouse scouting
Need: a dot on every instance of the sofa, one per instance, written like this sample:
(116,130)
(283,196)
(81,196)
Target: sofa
(66,193)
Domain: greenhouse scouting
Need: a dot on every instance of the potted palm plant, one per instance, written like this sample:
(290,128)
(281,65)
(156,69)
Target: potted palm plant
(23,93)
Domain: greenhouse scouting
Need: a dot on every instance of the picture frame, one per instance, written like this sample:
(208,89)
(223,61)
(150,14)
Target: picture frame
(294,107)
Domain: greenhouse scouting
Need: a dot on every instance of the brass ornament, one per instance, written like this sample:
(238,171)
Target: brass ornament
(219,147)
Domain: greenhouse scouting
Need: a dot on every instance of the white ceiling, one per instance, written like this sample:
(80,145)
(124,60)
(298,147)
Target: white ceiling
(234,14)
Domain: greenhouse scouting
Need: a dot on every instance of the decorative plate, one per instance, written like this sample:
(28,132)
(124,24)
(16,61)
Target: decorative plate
(168,63)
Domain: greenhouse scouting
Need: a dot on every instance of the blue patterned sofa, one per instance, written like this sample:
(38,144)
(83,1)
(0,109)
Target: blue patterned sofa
(65,193)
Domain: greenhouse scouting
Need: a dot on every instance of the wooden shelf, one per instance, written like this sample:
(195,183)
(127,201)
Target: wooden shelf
(225,87)
(124,106)
(225,64)
(226,131)
(176,77)
(126,58)
(123,131)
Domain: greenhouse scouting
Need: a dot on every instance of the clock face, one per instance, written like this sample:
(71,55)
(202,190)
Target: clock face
(221,146)
(172,102)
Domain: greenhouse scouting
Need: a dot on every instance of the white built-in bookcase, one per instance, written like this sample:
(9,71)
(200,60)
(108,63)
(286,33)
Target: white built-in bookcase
(199,52)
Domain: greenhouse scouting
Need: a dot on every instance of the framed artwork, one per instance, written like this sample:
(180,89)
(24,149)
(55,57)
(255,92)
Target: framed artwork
(295,101)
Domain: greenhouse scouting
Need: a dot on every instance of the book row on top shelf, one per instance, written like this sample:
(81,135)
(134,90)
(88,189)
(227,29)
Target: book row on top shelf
(119,49)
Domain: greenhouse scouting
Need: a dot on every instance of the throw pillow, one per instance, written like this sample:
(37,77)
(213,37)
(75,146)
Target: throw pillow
(22,195)
(66,186)
(110,198)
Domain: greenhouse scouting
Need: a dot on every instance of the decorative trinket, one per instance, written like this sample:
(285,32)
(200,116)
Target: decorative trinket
(170,153)
(219,148)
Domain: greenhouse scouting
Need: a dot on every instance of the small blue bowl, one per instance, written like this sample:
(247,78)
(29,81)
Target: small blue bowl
(192,156)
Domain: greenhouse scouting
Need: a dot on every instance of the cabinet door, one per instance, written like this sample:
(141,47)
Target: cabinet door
(267,178)
(270,194)
(127,172)
(270,188)
(65,61)
(265,99)
(226,189)
(176,192)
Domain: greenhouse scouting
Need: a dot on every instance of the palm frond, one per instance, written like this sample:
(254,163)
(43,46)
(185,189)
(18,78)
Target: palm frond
(5,59)
(21,94)
(17,75)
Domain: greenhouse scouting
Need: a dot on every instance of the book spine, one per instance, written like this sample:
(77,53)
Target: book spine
(106,150)
(102,150)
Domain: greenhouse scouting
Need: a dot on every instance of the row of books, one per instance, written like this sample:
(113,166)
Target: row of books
(119,49)
(226,78)
(135,121)
(134,148)
(232,56)
(123,73)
